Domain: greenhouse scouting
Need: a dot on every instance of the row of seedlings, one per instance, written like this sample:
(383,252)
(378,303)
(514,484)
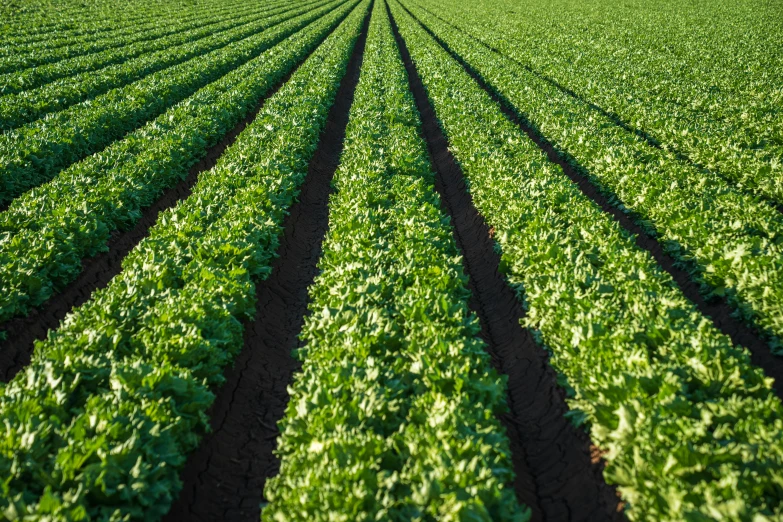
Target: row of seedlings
(100,422)
(36,152)
(186,20)
(35,20)
(42,53)
(716,103)
(34,80)
(49,230)
(394,415)
(689,428)
(730,243)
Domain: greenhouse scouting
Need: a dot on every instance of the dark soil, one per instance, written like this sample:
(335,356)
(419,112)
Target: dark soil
(557,474)
(97,271)
(224,478)
(717,309)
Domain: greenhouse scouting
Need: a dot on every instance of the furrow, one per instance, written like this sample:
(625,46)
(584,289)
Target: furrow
(554,473)
(717,308)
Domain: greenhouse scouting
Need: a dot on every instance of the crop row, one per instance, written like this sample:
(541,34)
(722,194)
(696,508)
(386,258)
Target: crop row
(189,20)
(731,244)
(394,414)
(690,429)
(28,79)
(48,231)
(35,153)
(30,19)
(99,423)
(24,26)
(32,16)
(16,110)
(703,91)
(16,61)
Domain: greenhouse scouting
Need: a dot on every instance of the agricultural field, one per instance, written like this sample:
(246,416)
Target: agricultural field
(404,260)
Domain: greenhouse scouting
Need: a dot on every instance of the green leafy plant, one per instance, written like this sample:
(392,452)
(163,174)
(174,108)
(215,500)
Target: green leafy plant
(37,152)
(691,429)
(97,426)
(394,415)
(731,243)
(41,250)
(708,89)
(203,24)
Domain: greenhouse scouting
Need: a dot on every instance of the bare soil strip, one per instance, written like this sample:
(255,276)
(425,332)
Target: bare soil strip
(611,115)
(555,474)
(22,332)
(717,309)
(224,478)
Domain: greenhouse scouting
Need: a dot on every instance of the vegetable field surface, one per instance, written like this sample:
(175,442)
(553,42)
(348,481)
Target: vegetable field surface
(405,260)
